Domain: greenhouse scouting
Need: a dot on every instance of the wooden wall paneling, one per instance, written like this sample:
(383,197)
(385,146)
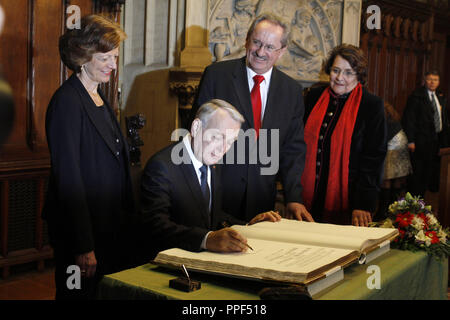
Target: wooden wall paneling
(14,61)
(383,69)
(372,60)
(45,74)
(4,203)
(390,86)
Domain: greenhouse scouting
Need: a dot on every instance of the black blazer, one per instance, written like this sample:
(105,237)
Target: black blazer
(246,191)
(367,151)
(174,212)
(90,192)
(418,121)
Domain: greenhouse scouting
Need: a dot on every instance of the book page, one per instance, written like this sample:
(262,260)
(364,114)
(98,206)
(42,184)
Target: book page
(269,260)
(317,234)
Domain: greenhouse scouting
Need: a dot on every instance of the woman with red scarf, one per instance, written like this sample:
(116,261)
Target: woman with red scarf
(345,134)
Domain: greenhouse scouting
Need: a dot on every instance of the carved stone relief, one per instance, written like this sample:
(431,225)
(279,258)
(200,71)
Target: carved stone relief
(316,28)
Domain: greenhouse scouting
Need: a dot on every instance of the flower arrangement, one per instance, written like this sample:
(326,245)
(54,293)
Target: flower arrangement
(418,227)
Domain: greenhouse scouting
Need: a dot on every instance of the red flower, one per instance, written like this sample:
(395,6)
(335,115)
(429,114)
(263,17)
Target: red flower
(401,233)
(404,219)
(425,220)
(433,236)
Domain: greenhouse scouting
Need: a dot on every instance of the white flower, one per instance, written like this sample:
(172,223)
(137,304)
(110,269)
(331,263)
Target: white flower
(431,219)
(442,235)
(420,236)
(417,223)
(387,224)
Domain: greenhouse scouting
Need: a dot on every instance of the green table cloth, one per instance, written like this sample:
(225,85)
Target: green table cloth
(403,275)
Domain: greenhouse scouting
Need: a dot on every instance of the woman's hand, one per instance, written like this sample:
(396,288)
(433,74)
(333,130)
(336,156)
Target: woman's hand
(361,218)
(87,263)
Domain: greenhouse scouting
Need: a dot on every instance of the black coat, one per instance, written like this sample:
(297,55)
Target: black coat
(174,212)
(367,152)
(90,191)
(247,192)
(418,122)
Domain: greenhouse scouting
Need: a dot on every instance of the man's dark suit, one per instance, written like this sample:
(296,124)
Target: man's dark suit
(174,212)
(418,124)
(247,192)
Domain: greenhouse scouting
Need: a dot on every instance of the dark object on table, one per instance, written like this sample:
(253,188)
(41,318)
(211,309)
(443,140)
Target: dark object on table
(185,284)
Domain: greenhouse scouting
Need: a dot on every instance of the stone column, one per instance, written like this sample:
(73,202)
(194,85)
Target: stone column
(351,22)
(196,54)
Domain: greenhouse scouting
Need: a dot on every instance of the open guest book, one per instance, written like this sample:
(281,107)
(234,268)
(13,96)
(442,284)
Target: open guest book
(289,251)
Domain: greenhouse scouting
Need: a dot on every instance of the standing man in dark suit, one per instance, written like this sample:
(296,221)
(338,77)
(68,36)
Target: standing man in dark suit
(272,105)
(425,122)
(181,195)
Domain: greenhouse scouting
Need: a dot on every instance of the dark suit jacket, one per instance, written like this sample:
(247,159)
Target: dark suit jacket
(90,192)
(174,212)
(418,121)
(367,152)
(246,191)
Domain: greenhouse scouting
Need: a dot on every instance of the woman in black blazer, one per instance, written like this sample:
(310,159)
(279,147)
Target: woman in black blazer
(89,200)
(345,133)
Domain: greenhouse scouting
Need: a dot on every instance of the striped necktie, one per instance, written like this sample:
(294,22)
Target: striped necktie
(437,118)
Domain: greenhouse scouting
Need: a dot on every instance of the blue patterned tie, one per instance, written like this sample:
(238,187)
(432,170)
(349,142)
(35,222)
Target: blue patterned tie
(437,120)
(204,184)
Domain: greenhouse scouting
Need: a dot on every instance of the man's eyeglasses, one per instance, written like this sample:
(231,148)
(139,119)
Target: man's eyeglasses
(345,73)
(267,47)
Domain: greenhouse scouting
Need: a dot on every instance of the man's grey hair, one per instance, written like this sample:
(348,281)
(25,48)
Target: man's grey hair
(208,109)
(274,19)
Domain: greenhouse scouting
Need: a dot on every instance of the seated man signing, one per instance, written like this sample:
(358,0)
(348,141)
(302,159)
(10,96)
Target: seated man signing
(181,190)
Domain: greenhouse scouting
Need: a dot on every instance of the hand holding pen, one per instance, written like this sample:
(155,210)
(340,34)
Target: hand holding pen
(226,240)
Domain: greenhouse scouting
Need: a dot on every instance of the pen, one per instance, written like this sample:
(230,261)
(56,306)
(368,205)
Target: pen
(226,225)
(185,272)
(248,246)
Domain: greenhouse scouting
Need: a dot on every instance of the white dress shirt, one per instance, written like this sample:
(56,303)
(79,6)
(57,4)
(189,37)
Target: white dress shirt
(263,87)
(197,165)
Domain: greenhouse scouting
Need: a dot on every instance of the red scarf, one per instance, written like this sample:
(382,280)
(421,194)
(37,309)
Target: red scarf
(341,139)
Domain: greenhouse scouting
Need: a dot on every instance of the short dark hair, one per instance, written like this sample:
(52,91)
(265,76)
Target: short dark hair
(355,57)
(274,20)
(97,34)
(432,72)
